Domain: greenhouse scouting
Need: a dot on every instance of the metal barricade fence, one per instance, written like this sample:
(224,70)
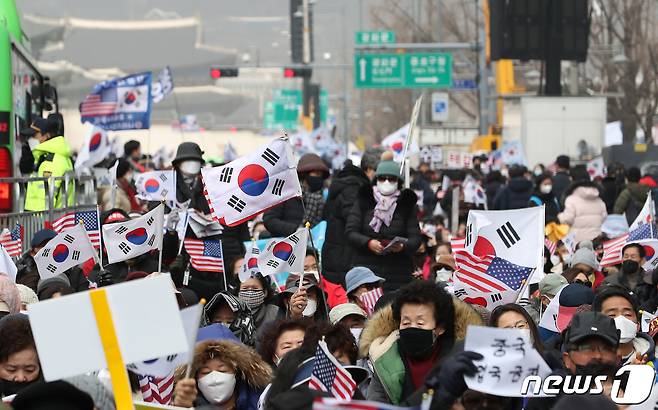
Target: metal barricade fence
(84,198)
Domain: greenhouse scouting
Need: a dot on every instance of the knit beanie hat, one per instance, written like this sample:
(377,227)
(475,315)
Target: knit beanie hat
(27,294)
(389,168)
(585,255)
(103,399)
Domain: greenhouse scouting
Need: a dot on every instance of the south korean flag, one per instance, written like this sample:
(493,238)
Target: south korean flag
(252,184)
(156,186)
(126,240)
(284,255)
(515,235)
(68,249)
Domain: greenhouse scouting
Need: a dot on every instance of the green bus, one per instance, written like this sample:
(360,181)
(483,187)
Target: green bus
(24,94)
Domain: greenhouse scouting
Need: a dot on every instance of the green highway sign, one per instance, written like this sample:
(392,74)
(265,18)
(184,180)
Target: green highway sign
(374,37)
(283,111)
(403,70)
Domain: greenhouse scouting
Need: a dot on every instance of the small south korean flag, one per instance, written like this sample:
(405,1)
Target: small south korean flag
(156,186)
(68,249)
(252,184)
(127,240)
(515,235)
(284,255)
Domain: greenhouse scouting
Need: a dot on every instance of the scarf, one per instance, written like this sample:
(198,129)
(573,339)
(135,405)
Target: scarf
(130,191)
(313,205)
(384,209)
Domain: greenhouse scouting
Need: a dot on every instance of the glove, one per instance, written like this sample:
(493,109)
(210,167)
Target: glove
(172,221)
(448,383)
(105,279)
(26,164)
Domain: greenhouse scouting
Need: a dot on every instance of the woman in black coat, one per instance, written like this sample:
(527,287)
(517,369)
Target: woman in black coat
(381,213)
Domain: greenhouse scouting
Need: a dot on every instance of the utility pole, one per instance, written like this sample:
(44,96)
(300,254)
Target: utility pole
(361,107)
(483,73)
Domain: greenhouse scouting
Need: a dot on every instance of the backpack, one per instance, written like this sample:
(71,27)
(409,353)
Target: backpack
(633,209)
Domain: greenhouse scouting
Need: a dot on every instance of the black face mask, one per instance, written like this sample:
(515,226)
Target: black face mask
(596,368)
(416,343)
(314,183)
(630,266)
(8,387)
(586,283)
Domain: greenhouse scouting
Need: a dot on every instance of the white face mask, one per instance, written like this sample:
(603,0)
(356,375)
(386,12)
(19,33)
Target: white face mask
(566,259)
(443,275)
(217,387)
(627,327)
(311,307)
(537,172)
(190,167)
(504,172)
(356,332)
(387,187)
(546,189)
(555,259)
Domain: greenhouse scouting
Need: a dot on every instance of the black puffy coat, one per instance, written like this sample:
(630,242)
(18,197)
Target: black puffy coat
(285,219)
(396,268)
(515,195)
(343,193)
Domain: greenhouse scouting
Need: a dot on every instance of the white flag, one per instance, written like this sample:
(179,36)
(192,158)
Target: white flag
(164,366)
(95,148)
(156,186)
(126,240)
(7,265)
(163,87)
(473,192)
(556,318)
(284,255)
(395,142)
(69,248)
(646,215)
(596,168)
(515,235)
(252,184)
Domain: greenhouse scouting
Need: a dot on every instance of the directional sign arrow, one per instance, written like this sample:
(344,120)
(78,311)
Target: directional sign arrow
(362,69)
(427,80)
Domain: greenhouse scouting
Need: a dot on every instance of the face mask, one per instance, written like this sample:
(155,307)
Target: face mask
(537,172)
(314,183)
(596,368)
(555,259)
(566,258)
(416,343)
(11,387)
(546,189)
(311,307)
(585,283)
(217,387)
(190,167)
(630,266)
(356,332)
(504,172)
(627,327)
(253,298)
(443,275)
(386,188)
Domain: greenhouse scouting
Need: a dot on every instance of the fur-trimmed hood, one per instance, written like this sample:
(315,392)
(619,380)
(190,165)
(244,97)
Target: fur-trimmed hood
(382,324)
(250,367)
(582,184)
(406,200)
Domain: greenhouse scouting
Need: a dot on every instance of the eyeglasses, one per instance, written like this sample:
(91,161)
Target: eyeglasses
(521,324)
(390,178)
(588,348)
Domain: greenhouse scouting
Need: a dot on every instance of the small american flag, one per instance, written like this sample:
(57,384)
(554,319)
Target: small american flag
(369,299)
(489,273)
(612,248)
(90,220)
(157,390)
(550,245)
(457,244)
(328,375)
(325,403)
(205,255)
(103,102)
(12,241)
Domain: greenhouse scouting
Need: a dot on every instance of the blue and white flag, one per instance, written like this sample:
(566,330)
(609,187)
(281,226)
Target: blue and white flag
(119,104)
(164,86)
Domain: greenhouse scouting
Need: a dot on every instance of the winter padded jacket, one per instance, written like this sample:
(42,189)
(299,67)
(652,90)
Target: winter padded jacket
(515,195)
(51,158)
(285,219)
(584,211)
(396,268)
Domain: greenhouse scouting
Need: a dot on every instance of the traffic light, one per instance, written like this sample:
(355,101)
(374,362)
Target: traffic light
(297,31)
(291,72)
(219,72)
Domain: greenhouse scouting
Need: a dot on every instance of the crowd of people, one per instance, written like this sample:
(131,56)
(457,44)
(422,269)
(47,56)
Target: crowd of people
(378,291)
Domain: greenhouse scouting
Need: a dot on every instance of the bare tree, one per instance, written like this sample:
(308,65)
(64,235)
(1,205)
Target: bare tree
(625,32)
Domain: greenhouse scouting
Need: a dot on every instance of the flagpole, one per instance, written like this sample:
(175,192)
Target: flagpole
(317,259)
(188,371)
(221,252)
(100,234)
(161,239)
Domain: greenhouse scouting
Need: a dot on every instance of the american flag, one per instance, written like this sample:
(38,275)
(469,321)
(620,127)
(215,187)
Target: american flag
(550,245)
(90,220)
(325,403)
(370,298)
(103,102)
(12,240)
(457,244)
(612,248)
(157,390)
(205,255)
(328,375)
(489,273)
